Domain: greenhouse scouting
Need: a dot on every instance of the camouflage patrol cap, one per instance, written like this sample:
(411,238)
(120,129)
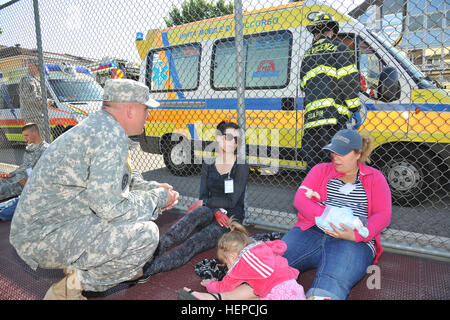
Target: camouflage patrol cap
(127,90)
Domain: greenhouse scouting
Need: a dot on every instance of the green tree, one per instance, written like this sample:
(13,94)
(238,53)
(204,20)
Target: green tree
(195,10)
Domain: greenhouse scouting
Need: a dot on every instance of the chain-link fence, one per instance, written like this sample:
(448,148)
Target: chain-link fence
(385,73)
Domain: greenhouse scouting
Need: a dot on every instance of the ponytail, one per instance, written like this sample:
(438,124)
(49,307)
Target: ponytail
(233,241)
(236,226)
(366,148)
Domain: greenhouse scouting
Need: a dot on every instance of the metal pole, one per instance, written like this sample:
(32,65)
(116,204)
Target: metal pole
(240,73)
(37,25)
(8,4)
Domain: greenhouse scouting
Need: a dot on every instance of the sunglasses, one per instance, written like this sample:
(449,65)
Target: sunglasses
(230,137)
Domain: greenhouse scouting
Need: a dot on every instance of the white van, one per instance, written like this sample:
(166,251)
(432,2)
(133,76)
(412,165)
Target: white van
(190,69)
(74,90)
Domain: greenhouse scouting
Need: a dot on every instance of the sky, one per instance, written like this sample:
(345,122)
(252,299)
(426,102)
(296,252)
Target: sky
(98,28)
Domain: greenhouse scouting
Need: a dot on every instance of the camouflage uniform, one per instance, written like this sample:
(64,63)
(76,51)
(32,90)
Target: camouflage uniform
(83,207)
(10,187)
(30,95)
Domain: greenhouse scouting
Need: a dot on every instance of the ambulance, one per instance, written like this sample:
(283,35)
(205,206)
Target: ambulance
(114,69)
(73,89)
(190,70)
(108,70)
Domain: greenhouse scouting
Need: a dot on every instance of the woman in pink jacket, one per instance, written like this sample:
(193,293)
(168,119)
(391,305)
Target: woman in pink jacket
(341,256)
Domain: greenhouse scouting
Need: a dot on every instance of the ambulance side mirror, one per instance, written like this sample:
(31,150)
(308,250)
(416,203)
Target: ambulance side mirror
(389,85)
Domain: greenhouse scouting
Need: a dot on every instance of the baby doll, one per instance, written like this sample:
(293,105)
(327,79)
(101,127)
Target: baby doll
(336,216)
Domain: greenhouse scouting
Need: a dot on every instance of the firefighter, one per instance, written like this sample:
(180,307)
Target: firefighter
(329,79)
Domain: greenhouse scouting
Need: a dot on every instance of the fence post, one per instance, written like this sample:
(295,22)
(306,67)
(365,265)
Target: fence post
(240,73)
(37,25)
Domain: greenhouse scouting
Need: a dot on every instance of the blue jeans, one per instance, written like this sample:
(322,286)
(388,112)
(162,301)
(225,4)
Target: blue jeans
(7,208)
(340,263)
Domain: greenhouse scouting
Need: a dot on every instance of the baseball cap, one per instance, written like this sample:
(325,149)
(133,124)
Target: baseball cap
(345,141)
(127,90)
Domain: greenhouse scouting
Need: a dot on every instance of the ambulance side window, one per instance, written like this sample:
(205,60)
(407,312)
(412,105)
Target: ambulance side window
(368,63)
(174,68)
(267,61)
(370,67)
(2,100)
(223,72)
(13,92)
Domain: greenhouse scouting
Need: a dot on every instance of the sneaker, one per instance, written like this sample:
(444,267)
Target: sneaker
(144,278)
(145,269)
(69,288)
(141,277)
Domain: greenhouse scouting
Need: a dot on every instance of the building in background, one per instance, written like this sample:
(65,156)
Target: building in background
(418,28)
(17,57)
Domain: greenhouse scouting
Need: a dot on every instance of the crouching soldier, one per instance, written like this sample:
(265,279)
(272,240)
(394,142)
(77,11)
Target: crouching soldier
(83,209)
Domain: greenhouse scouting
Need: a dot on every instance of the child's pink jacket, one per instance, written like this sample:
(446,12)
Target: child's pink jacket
(378,198)
(261,265)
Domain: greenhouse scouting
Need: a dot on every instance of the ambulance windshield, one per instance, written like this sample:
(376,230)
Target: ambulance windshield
(76,90)
(422,81)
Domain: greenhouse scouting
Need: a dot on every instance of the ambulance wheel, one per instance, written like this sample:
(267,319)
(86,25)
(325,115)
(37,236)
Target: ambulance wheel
(178,155)
(411,172)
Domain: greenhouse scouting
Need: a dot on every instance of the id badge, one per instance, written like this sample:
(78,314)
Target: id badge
(229,185)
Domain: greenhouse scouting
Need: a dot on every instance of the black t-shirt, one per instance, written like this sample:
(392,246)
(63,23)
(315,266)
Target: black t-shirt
(212,189)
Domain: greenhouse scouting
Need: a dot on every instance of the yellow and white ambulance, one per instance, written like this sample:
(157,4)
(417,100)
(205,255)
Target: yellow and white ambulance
(73,89)
(191,70)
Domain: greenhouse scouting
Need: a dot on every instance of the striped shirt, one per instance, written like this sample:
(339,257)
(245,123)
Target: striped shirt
(350,195)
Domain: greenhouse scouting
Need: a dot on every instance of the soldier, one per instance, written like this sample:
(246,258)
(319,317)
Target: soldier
(11,184)
(84,209)
(30,94)
(330,81)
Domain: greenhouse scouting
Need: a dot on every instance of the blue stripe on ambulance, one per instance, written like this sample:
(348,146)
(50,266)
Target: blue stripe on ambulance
(438,107)
(192,131)
(172,71)
(275,104)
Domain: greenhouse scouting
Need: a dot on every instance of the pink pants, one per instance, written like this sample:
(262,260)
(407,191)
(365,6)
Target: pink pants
(287,290)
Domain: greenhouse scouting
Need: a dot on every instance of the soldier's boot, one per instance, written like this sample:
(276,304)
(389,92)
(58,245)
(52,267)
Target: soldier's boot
(69,288)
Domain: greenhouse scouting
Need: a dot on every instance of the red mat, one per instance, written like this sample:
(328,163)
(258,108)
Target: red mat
(401,277)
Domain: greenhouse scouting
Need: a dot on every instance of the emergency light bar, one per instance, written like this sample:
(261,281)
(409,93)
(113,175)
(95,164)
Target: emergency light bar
(104,66)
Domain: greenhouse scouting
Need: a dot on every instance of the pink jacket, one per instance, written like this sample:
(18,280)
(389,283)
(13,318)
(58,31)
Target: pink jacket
(261,265)
(378,198)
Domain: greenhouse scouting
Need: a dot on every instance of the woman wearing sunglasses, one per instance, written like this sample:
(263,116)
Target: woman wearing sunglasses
(222,191)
